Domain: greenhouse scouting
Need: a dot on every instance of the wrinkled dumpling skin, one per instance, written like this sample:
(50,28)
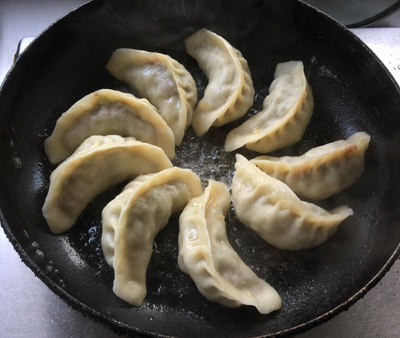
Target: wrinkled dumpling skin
(273,210)
(108,112)
(322,171)
(132,220)
(162,80)
(207,256)
(286,112)
(229,93)
(97,164)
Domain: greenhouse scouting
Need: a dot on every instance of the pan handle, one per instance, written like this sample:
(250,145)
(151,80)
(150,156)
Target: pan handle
(377,17)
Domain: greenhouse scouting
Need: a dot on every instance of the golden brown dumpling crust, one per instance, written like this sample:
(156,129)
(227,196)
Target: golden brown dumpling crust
(322,171)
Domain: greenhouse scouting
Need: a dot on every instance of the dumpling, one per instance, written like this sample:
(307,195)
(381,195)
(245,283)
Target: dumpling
(108,112)
(270,208)
(286,112)
(207,257)
(132,220)
(321,171)
(162,80)
(229,93)
(99,163)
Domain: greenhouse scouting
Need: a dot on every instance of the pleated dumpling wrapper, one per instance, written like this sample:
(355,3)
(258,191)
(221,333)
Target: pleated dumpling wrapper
(206,255)
(133,219)
(286,112)
(162,80)
(272,209)
(229,93)
(322,171)
(108,112)
(99,163)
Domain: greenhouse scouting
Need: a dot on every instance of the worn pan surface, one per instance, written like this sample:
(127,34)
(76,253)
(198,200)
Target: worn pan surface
(352,92)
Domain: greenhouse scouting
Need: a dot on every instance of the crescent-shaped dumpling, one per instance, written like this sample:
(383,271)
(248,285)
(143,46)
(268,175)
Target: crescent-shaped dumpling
(273,210)
(162,80)
(132,220)
(206,255)
(322,171)
(108,112)
(97,164)
(229,93)
(286,112)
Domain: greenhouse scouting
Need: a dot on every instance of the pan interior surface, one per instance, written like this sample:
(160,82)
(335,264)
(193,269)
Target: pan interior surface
(352,92)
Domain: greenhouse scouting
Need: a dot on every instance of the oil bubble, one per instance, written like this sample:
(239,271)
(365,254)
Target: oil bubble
(39,254)
(26,235)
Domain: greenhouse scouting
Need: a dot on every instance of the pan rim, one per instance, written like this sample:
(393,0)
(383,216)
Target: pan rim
(124,328)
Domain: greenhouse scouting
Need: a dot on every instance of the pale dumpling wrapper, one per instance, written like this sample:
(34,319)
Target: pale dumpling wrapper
(286,112)
(162,80)
(322,171)
(99,163)
(272,209)
(133,219)
(229,93)
(207,256)
(108,112)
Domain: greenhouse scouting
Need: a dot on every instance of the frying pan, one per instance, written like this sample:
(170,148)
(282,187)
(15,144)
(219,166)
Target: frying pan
(352,92)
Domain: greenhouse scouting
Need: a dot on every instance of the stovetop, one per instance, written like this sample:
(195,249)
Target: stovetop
(29,309)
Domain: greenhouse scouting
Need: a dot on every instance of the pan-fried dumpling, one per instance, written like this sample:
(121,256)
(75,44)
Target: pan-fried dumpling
(132,220)
(286,112)
(97,164)
(207,257)
(273,210)
(321,171)
(229,93)
(162,80)
(108,112)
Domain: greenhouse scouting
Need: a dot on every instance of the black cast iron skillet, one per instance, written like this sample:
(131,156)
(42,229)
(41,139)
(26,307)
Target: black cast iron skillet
(352,92)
